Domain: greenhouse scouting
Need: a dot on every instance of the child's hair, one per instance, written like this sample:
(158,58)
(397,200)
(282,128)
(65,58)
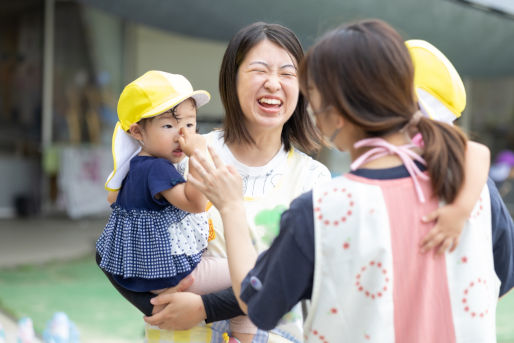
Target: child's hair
(147,96)
(172,111)
(365,72)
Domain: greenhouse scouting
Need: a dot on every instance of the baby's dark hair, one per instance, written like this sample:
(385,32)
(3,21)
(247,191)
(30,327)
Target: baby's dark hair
(172,111)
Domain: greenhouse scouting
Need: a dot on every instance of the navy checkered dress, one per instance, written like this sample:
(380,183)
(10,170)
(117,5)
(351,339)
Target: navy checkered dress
(148,238)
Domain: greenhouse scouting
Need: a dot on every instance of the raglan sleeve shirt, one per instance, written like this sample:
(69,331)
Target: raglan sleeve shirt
(283,275)
(503,240)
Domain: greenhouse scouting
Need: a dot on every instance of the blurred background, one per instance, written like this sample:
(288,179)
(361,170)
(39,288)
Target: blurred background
(63,64)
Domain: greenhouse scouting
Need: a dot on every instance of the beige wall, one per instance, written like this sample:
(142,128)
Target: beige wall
(197,59)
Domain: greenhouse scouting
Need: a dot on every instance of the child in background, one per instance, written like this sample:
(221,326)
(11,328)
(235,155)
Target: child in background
(152,240)
(442,97)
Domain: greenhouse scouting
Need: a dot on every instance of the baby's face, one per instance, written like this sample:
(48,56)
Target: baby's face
(160,136)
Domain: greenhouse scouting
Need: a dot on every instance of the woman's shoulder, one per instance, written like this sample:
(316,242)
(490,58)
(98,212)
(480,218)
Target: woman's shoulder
(214,138)
(312,164)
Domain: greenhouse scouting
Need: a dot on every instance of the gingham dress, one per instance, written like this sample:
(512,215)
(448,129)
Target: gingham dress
(149,238)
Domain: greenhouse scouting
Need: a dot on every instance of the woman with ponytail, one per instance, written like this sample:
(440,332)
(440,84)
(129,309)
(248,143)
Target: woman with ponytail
(351,244)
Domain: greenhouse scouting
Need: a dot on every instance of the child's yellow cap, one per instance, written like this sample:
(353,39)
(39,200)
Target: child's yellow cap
(151,94)
(437,82)
(154,93)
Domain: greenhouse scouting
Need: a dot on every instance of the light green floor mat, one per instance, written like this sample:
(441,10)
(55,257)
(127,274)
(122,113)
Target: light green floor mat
(78,288)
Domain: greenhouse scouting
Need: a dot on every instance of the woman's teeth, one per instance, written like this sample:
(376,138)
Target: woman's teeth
(270,101)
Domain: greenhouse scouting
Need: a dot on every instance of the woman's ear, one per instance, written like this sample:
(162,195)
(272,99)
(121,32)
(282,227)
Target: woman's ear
(337,120)
(136,131)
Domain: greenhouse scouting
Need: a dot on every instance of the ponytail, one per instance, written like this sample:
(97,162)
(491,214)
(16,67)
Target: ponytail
(444,152)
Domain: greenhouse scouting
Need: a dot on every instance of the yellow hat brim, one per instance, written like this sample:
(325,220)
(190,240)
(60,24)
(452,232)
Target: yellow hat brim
(435,74)
(201,98)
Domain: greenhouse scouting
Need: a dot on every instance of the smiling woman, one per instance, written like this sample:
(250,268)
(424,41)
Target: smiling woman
(266,125)
(358,234)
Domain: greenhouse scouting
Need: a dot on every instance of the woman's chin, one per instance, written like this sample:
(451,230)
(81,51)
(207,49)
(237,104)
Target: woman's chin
(270,121)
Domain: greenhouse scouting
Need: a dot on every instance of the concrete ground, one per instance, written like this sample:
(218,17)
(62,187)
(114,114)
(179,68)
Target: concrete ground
(40,240)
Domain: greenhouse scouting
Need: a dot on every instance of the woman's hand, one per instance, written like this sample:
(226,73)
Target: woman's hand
(220,183)
(450,220)
(184,284)
(190,141)
(223,186)
(181,311)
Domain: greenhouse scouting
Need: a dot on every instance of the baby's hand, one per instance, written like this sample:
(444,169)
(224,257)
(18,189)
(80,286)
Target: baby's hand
(191,141)
(446,232)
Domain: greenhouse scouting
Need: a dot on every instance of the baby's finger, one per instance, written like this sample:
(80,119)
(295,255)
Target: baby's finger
(184,133)
(430,217)
(455,244)
(434,241)
(429,237)
(181,141)
(444,246)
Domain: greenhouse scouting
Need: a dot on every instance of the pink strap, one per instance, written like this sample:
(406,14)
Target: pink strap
(382,148)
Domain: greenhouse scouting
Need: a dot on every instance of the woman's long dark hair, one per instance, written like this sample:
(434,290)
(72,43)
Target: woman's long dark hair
(299,129)
(365,72)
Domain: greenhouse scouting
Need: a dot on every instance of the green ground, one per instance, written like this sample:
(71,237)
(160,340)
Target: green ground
(81,290)
(77,288)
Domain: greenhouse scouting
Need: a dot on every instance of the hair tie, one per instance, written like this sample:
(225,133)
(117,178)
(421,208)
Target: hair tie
(413,121)
(416,117)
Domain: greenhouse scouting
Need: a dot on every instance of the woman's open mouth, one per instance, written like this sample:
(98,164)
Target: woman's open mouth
(270,104)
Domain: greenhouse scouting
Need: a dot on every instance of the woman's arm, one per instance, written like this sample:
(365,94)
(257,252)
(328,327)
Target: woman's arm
(183,311)
(283,274)
(450,218)
(502,239)
(223,187)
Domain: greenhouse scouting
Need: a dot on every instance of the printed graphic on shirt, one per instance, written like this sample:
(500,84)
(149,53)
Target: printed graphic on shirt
(268,223)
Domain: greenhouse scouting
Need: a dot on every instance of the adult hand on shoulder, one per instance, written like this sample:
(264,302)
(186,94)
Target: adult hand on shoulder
(181,311)
(220,183)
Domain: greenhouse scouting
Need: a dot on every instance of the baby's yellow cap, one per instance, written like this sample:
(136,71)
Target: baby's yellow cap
(153,93)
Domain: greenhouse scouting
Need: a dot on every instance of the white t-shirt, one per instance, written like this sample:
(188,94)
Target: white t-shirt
(259,180)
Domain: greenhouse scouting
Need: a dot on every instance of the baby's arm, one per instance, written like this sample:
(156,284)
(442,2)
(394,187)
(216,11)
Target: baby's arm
(112,196)
(450,218)
(186,196)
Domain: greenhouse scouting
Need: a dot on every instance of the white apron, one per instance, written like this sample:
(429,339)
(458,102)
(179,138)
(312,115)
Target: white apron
(371,284)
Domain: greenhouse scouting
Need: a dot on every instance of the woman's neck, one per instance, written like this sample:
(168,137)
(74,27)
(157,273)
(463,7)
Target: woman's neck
(387,161)
(266,146)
